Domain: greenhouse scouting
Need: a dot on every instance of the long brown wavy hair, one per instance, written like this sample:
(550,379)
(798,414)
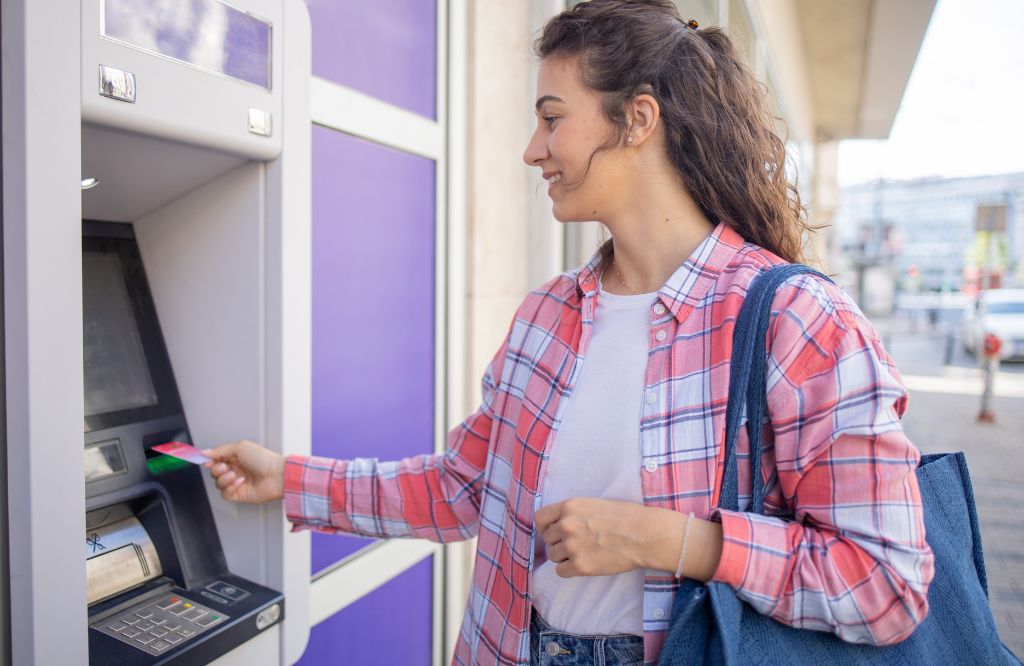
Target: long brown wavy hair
(719,128)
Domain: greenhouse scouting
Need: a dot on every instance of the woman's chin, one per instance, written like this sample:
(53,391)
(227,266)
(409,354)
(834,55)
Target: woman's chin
(563,213)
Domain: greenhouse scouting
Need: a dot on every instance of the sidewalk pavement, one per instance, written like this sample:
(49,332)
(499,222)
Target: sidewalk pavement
(941,418)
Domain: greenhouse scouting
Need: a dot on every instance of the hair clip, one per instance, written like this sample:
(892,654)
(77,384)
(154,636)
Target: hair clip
(692,24)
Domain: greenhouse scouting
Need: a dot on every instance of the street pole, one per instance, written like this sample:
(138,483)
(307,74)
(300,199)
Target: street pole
(990,365)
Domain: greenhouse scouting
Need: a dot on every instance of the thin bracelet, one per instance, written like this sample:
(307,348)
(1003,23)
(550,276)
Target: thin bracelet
(682,551)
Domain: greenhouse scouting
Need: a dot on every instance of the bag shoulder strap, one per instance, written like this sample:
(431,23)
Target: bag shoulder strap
(747,377)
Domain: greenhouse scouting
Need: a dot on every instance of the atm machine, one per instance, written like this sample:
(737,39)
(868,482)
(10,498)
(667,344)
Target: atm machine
(194,276)
(158,584)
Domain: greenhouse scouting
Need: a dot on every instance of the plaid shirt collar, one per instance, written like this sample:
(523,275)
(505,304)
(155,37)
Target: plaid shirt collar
(691,282)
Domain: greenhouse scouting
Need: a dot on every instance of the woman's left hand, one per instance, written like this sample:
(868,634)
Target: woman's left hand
(586,536)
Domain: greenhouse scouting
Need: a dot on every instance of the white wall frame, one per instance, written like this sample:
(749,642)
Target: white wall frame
(441,327)
(458,557)
(351,111)
(364,572)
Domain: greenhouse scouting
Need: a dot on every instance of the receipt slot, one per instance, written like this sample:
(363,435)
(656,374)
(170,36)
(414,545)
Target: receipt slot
(173,268)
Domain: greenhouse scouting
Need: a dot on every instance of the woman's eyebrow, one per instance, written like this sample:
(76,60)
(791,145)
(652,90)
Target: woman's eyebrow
(547,98)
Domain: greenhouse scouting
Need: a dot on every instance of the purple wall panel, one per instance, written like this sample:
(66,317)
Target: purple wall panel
(373,307)
(391,625)
(386,48)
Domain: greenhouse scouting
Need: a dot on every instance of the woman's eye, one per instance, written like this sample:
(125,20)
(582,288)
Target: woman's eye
(550,120)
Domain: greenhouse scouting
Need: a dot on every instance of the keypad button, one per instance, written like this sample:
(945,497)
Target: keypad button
(160,646)
(192,614)
(173,638)
(117,626)
(131,619)
(145,625)
(212,618)
(181,608)
(186,632)
(168,602)
(145,639)
(172,627)
(131,632)
(144,614)
(158,632)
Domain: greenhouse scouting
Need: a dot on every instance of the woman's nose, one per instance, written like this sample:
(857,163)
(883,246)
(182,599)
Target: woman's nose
(536,151)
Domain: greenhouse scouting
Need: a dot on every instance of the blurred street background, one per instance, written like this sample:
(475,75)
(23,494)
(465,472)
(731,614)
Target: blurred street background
(928,236)
(942,416)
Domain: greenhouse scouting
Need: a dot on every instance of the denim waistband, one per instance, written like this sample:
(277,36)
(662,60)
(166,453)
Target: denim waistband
(550,647)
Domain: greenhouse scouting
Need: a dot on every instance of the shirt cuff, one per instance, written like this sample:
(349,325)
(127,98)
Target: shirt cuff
(755,549)
(309,483)
(736,539)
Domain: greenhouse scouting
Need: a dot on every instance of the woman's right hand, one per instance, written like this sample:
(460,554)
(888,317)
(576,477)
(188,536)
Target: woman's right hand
(247,472)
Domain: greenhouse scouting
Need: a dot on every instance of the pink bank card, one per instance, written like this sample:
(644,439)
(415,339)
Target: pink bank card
(183,451)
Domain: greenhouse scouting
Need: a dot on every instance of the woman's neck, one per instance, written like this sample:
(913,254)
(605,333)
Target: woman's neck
(658,233)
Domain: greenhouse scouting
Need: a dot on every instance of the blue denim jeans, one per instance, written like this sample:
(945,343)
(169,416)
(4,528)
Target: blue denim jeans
(550,647)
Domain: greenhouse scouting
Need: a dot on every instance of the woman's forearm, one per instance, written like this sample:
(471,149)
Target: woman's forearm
(663,544)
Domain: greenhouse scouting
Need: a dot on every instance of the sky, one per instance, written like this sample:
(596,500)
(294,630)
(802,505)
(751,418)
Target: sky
(963,110)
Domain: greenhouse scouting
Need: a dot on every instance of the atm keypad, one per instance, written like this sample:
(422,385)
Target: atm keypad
(156,627)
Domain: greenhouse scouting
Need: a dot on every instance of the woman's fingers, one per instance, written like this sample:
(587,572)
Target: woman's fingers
(547,515)
(554,533)
(223,451)
(223,473)
(247,472)
(226,479)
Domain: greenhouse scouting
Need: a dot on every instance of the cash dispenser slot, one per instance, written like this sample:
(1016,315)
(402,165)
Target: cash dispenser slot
(159,588)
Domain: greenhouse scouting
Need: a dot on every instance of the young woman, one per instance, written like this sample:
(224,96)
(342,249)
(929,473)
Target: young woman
(602,423)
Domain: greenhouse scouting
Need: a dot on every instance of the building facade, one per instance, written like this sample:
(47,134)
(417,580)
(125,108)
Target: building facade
(925,229)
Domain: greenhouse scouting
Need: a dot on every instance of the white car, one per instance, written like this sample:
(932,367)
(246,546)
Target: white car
(1000,312)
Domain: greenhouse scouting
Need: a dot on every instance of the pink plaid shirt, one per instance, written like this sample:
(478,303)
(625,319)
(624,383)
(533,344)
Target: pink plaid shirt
(853,562)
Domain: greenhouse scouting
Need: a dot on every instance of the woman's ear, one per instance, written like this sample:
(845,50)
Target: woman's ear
(644,114)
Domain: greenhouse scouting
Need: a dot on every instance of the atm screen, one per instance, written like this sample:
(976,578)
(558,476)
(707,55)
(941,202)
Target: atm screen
(116,373)
(128,377)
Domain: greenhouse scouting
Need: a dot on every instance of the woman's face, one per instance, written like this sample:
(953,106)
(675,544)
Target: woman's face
(570,127)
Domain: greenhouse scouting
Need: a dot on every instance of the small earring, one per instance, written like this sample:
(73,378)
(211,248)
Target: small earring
(629,139)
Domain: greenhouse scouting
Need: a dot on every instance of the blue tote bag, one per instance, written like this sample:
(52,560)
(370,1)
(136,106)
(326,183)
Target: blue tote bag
(710,625)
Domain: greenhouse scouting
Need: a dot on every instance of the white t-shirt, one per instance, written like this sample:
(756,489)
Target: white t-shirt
(596,453)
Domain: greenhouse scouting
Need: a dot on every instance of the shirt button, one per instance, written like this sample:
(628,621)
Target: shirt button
(660,335)
(659,613)
(651,398)
(659,309)
(552,648)
(651,467)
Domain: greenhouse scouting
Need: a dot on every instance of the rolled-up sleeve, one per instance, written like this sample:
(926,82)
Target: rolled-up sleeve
(853,560)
